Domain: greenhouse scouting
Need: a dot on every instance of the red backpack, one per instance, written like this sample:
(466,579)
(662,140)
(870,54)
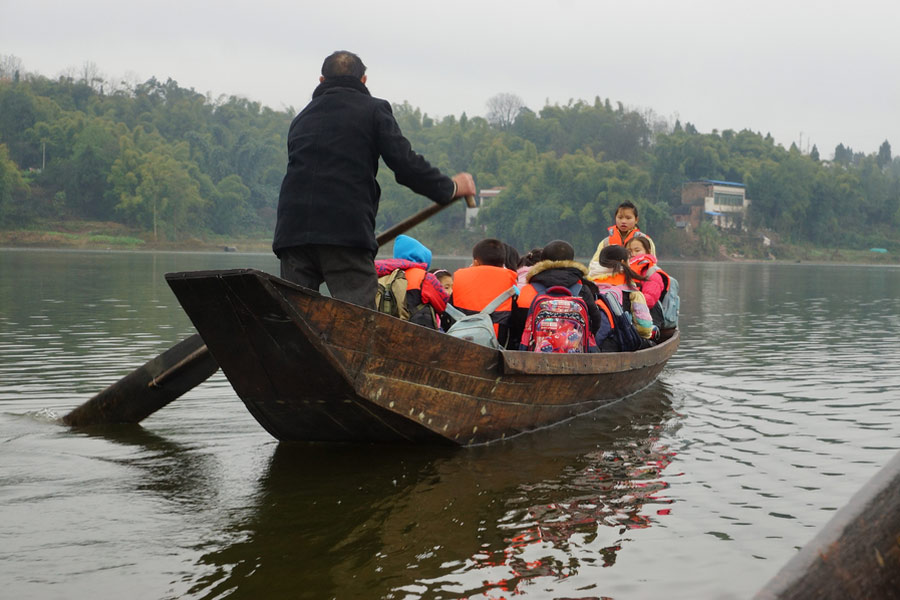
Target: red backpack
(557,322)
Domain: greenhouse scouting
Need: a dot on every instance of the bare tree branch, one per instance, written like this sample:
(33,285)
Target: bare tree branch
(503,109)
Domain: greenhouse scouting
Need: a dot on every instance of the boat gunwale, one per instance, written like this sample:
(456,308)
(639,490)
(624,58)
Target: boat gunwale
(511,361)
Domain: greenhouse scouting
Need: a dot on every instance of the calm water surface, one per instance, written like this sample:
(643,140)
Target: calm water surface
(782,401)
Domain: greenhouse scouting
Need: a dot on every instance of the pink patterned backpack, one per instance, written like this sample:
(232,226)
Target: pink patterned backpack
(557,322)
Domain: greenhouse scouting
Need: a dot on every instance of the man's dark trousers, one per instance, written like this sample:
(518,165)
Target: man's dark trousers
(348,272)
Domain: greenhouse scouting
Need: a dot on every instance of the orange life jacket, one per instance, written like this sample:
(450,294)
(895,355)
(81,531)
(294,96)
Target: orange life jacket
(646,269)
(475,287)
(615,279)
(526,296)
(414,278)
(602,304)
(615,236)
(528,293)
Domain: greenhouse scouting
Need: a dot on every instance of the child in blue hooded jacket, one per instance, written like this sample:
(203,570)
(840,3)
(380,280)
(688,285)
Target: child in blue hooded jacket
(426,298)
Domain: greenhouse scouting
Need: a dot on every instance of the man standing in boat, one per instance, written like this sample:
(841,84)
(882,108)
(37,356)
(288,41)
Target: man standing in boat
(325,230)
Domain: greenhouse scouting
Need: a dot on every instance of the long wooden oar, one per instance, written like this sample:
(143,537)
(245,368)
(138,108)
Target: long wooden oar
(410,222)
(149,387)
(182,367)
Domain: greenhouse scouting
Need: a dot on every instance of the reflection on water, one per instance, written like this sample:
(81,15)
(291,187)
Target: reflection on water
(780,403)
(316,520)
(330,521)
(562,524)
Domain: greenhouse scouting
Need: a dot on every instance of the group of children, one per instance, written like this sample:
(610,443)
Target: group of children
(558,304)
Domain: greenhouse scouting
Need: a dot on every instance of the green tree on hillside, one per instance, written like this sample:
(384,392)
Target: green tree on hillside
(13,191)
(884,155)
(167,159)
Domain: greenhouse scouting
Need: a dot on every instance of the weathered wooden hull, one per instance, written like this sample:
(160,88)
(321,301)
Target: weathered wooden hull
(856,555)
(310,367)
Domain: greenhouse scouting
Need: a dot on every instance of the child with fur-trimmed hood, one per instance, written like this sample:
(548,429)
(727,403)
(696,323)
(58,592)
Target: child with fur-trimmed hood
(557,267)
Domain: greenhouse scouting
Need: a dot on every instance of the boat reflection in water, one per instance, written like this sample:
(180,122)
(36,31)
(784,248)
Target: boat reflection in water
(404,522)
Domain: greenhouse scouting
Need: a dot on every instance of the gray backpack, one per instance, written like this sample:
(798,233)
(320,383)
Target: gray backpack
(478,328)
(669,302)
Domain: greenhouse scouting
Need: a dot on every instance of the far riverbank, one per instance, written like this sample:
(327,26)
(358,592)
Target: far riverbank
(90,235)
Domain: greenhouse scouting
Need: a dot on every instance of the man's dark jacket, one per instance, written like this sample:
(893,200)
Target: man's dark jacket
(329,194)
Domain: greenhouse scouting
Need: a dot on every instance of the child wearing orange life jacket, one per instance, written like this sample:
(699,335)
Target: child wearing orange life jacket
(620,234)
(423,288)
(641,259)
(525,264)
(474,287)
(446,279)
(660,288)
(557,267)
(613,274)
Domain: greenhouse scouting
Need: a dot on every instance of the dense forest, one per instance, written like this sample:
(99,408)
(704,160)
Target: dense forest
(173,163)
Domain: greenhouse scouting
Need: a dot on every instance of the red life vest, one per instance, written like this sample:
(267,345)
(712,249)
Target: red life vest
(475,287)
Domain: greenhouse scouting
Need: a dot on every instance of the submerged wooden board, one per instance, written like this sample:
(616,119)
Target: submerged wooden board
(314,368)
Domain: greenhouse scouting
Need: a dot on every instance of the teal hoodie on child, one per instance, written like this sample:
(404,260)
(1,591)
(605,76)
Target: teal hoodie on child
(411,249)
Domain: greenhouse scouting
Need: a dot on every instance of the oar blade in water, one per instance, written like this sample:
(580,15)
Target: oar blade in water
(148,388)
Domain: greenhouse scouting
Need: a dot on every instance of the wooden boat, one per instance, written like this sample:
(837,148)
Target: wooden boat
(856,555)
(309,367)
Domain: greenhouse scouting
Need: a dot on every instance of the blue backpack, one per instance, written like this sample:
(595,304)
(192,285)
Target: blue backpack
(623,330)
(669,302)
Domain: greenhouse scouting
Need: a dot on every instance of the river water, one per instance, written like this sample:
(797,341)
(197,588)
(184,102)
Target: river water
(782,401)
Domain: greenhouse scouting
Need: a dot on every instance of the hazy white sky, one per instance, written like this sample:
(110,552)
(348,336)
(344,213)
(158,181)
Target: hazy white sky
(824,70)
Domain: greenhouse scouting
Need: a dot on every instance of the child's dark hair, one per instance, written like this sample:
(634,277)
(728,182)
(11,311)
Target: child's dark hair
(558,250)
(511,259)
(490,252)
(626,205)
(616,258)
(532,258)
(441,273)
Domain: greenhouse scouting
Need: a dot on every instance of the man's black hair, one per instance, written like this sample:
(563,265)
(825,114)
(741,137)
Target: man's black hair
(490,252)
(558,250)
(343,63)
